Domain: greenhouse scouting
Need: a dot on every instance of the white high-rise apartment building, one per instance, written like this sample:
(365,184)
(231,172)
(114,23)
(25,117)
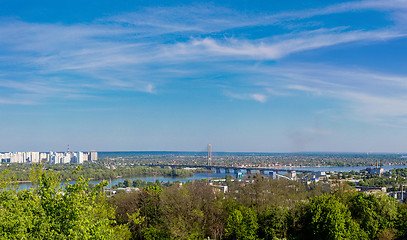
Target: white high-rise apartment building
(35,157)
(66,158)
(44,157)
(55,158)
(85,156)
(80,158)
(17,157)
(51,157)
(93,156)
(5,157)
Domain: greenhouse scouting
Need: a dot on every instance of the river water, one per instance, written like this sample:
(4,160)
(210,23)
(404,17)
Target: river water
(198,176)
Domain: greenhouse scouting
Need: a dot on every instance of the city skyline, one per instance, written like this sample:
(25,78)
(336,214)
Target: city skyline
(48,157)
(245,76)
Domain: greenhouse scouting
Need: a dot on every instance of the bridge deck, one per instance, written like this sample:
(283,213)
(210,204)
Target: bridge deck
(229,167)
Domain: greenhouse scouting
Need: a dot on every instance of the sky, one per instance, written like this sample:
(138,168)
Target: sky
(246,76)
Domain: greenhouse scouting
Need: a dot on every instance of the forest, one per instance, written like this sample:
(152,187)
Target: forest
(256,208)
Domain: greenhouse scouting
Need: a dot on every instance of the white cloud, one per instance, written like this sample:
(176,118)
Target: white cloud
(304,89)
(209,18)
(17,101)
(150,88)
(376,107)
(398,6)
(373,97)
(199,19)
(274,92)
(267,49)
(258,97)
(124,52)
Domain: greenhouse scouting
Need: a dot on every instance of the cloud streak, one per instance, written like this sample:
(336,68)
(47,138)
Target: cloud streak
(266,50)
(258,97)
(377,98)
(140,51)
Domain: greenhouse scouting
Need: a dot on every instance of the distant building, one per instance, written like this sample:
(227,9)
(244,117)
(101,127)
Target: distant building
(320,174)
(5,157)
(17,157)
(293,174)
(80,158)
(127,189)
(56,158)
(34,157)
(376,170)
(220,188)
(85,156)
(93,156)
(44,157)
(370,189)
(66,158)
(49,157)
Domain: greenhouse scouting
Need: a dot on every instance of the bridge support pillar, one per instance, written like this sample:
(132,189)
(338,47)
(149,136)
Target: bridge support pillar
(249,171)
(262,172)
(273,175)
(293,174)
(217,170)
(227,170)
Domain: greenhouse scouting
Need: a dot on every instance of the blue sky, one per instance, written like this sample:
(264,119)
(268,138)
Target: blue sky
(269,76)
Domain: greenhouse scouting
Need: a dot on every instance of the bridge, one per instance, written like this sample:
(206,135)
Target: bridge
(227,169)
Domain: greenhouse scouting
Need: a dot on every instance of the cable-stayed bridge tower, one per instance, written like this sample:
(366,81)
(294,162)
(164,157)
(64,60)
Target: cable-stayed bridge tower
(209,154)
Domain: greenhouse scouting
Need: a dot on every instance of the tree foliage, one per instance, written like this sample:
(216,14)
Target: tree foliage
(373,212)
(242,224)
(49,211)
(326,217)
(259,208)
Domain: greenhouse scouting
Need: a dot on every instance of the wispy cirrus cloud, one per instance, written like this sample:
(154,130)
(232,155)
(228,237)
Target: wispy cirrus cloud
(139,51)
(212,19)
(184,19)
(269,49)
(397,5)
(16,101)
(259,97)
(374,97)
(384,110)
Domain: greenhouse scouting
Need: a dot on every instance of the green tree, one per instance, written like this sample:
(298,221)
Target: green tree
(327,217)
(242,224)
(273,223)
(373,212)
(126,183)
(138,183)
(49,211)
(401,223)
(183,218)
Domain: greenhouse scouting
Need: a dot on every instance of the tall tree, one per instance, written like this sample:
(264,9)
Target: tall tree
(326,217)
(49,211)
(242,224)
(373,212)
